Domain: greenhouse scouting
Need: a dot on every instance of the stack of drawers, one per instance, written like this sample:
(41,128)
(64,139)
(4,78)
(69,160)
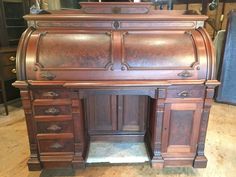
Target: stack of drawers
(7,72)
(54,127)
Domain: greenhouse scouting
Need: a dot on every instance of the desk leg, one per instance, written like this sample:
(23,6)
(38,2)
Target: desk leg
(156,123)
(157,160)
(33,162)
(4,97)
(200,159)
(81,140)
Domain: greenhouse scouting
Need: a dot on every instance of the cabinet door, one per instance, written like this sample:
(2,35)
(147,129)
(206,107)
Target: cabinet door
(181,127)
(101,113)
(132,112)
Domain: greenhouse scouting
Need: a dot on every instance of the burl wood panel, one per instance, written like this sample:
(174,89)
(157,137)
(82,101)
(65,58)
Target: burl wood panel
(81,50)
(180,127)
(157,45)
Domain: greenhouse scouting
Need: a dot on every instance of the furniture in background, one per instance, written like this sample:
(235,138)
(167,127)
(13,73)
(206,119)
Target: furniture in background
(12,26)
(227,73)
(118,72)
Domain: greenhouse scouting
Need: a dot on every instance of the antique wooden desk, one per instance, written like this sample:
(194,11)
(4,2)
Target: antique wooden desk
(116,72)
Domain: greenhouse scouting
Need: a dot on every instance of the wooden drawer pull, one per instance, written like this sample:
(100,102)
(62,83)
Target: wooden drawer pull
(185,74)
(12,58)
(13,71)
(56,146)
(52,111)
(184,94)
(48,76)
(50,94)
(54,128)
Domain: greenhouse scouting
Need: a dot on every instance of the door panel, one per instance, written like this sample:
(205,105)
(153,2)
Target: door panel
(181,126)
(112,113)
(132,112)
(101,113)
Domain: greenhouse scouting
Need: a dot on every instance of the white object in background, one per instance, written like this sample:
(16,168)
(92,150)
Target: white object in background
(136,0)
(54,4)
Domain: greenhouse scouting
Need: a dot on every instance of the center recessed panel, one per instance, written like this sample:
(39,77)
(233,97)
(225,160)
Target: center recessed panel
(74,50)
(158,50)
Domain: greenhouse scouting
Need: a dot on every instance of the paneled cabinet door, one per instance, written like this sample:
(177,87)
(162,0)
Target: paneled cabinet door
(116,113)
(181,127)
(101,113)
(132,112)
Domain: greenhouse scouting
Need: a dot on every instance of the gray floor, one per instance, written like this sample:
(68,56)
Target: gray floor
(220,150)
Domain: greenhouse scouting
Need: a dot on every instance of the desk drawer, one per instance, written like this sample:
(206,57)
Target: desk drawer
(186,92)
(50,94)
(55,127)
(8,58)
(52,110)
(56,145)
(8,72)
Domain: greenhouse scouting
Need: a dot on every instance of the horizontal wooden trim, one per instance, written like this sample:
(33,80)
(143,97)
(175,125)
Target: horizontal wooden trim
(56,156)
(20,84)
(115,83)
(89,84)
(53,136)
(184,100)
(44,102)
(117,138)
(212,83)
(178,148)
(163,15)
(52,118)
(179,155)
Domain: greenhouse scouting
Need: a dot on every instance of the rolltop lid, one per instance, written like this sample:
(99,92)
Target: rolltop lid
(141,44)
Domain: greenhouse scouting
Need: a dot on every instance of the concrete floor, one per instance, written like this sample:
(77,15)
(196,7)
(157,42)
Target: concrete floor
(220,150)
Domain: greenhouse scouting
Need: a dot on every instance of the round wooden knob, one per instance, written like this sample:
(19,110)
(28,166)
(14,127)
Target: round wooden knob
(13,71)
(12,58)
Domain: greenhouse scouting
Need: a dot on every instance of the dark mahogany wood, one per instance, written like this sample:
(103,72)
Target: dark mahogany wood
(119,72)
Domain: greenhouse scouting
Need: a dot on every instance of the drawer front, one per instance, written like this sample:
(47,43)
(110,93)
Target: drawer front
(9,72)
(56,145)
(50,94)
(55,127)
(52,110)
(186,92)
(8,58)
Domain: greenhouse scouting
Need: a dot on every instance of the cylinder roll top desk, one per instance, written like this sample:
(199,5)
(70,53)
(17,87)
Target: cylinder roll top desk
(116,72)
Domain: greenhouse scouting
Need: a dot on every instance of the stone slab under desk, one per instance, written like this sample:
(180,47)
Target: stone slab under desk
(122,152)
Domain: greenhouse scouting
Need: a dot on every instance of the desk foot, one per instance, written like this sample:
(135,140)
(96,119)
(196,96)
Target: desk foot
(78,163)
(34,164)
(157,162)
(200,162)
